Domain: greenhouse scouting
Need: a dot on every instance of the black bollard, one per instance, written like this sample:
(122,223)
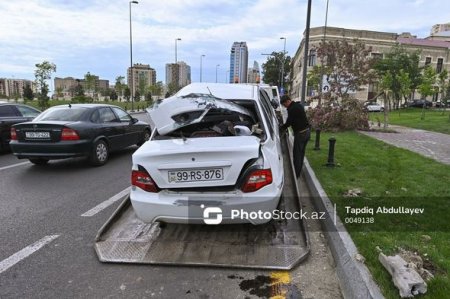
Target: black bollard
(332,142)
(317,142)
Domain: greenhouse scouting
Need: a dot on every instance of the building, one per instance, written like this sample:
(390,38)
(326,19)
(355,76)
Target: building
(143,76)
(178,73)
(12,88)
(433,52)
(253,74)
(238,62)
(440,32)
(65,87)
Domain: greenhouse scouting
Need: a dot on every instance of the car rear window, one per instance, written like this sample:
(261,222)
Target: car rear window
(62,114)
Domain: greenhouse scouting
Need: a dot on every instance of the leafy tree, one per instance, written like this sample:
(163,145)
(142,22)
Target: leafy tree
(59,92)
(43,73)
(120,85)
(137,96)
(346,65)
(148,97)
(127,93)
(90,84)
(443,87)
(156,89)
(172,88)
(28,93)
(404,73)
(427,87)
(113,95)
(142,84)
(272,68)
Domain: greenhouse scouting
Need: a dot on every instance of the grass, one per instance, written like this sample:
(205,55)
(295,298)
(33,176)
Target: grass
(390,176)
(124,105)
(434,119)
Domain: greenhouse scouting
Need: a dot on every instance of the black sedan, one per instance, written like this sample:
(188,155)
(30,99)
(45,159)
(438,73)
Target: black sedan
(11,114)
(420,103)
(65,131)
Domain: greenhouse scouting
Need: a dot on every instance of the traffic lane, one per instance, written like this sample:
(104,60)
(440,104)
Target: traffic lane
(34,198)
(8,159)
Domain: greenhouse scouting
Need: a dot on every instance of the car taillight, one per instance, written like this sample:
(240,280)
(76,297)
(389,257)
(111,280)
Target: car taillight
(257,179)
(144,181)
(69,134)
(13,134)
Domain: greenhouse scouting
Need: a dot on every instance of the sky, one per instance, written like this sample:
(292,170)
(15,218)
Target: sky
(94,35)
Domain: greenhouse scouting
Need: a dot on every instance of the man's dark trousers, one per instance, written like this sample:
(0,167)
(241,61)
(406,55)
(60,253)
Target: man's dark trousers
(300,141)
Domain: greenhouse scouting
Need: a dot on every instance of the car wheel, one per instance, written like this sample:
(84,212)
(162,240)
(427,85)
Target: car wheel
(100,153)
(39,161)
(381,109)
(145,137)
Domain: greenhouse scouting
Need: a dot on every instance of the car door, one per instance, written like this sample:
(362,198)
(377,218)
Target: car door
(131,132)
(9,116)
(110,127)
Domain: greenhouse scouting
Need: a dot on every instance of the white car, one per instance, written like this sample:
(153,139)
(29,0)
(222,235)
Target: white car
(213,146)
(374,107)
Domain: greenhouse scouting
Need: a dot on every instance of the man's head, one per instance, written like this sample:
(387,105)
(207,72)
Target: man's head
(285,100)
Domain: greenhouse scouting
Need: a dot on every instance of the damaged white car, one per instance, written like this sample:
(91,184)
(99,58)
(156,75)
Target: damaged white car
(212,146)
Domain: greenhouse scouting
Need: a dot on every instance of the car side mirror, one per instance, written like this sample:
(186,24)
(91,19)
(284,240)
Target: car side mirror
(134,120)
(275,104)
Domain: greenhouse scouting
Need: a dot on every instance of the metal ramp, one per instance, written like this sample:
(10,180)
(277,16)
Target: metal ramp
(276,245)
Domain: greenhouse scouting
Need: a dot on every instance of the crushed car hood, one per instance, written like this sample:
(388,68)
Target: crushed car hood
(180,111)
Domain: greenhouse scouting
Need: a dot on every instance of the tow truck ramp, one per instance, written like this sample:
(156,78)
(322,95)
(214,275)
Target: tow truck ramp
(278,245)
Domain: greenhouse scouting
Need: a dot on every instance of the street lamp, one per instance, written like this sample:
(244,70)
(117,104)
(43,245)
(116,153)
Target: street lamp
(282,63)
(177,39)
(131,59)
(201,57)
(216,71)
(305,54)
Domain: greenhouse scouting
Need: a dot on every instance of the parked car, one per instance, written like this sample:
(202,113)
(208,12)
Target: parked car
(373,107)
(441,104)
(65,131)
(420,103)
(11,114)
(213,145)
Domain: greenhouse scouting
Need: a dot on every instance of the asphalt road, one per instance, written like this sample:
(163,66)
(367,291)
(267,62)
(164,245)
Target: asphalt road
(46,248)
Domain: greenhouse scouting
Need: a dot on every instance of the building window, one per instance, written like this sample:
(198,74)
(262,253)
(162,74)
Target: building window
(312,57)
(427,60)
(440,61)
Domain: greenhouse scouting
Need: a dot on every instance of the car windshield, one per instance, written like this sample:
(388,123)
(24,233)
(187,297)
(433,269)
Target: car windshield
(62,114)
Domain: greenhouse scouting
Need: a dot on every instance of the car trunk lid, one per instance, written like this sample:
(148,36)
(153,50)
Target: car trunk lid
(48,131)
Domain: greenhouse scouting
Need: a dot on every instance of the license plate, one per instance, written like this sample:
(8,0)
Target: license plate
(197,175)
(37,135)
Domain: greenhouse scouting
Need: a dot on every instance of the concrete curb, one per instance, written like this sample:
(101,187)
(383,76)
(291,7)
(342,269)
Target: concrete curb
(355,279)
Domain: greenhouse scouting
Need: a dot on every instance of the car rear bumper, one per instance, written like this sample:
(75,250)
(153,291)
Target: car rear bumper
(190,208)
(46,150)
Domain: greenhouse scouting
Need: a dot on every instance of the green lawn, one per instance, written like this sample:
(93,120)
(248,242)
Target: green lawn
(434,119)
(390,177)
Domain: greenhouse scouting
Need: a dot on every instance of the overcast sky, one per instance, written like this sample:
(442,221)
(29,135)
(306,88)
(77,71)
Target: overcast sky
(93,35)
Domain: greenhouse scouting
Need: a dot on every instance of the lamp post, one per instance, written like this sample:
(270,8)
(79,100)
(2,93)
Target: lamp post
(305,54)
(177,39)
(131,59)
(282,63)
(216,71)
(201,57)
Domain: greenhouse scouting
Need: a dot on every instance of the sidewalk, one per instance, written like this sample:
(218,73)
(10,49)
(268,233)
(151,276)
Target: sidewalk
(429,144)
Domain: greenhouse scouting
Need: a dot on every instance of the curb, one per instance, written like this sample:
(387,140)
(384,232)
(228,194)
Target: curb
(355,279)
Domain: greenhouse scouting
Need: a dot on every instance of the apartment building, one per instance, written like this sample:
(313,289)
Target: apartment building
(11,88)
(65,87)
(178,73)
(238,62)
(434,52)
(143,74)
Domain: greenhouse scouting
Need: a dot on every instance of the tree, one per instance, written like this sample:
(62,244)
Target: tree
(172,88)
(127,93)
(156,89)
(113,95)
(90,84)
(142,84)
(427,87)
(120,85)
(28,93)
(443,87)
(137,96)
(404,71)
(346,65)
(272,68)
(43,73)
(59,92)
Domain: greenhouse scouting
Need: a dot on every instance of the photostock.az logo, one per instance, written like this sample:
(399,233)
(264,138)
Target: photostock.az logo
(212,215)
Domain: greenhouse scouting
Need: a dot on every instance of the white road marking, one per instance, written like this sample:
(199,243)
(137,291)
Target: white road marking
(14,165)
(24,253)
(107,203)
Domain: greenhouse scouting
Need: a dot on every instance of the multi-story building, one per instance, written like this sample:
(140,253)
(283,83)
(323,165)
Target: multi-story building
(178,73)
(11,88)
(143,75)
(253,74)
(440,32)
(65,87)
(432,52)
(238,62)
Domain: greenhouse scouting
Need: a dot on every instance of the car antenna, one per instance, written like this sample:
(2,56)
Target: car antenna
(209,91)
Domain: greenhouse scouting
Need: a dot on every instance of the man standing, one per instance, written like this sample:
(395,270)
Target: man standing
(300,126)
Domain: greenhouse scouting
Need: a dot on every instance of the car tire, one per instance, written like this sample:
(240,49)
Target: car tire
(145,136)
(100,153)
(381,109)
(39,161)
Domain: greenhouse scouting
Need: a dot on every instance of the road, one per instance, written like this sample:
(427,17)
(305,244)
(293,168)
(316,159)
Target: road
(49,217)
